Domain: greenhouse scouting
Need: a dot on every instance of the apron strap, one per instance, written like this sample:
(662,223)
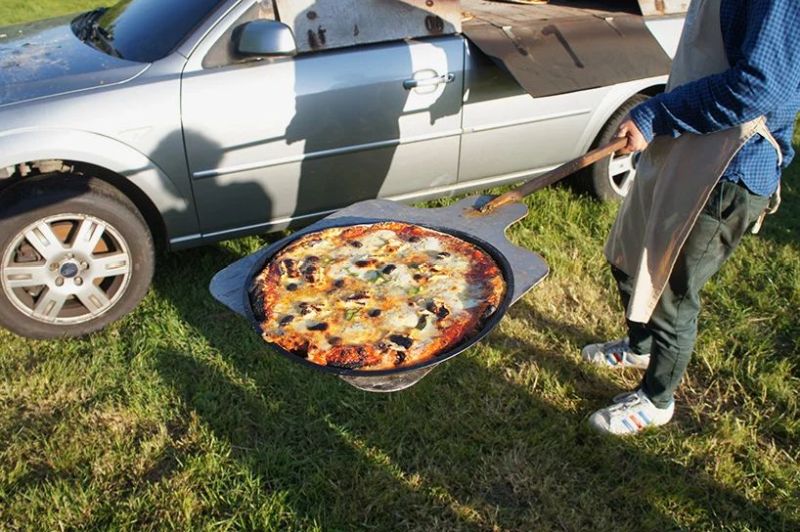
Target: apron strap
(764,131)
(775,199)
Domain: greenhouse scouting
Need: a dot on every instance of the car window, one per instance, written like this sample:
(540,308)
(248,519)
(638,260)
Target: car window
(149,30)
(223,52)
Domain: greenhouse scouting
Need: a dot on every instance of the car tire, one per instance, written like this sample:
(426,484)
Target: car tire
(610,179)
(75,256)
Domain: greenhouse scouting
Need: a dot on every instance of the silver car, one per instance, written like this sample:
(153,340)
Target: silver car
(141,126)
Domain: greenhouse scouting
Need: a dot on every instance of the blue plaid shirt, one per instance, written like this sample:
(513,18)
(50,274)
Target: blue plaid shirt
(762,41)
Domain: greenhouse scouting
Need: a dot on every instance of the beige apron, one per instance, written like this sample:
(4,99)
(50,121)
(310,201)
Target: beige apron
(675,176)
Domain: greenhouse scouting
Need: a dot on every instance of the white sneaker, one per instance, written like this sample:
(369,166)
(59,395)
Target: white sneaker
(630,415)
(614,354)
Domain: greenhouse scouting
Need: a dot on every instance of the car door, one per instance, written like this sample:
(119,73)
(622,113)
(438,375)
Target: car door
(508,134)
(284,139)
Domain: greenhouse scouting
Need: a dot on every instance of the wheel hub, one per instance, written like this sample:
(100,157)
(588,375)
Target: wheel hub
(69,270)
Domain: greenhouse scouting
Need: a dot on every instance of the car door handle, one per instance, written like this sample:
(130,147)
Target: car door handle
(429,82)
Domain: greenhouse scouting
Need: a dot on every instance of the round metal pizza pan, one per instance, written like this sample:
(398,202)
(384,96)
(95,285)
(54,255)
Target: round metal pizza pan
(390,380)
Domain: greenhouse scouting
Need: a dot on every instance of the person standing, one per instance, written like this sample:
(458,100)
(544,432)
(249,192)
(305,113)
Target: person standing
(713,146)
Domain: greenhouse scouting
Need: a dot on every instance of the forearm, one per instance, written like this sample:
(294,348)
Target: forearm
(709,104)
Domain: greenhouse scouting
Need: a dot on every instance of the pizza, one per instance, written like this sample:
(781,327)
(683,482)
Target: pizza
(375,296)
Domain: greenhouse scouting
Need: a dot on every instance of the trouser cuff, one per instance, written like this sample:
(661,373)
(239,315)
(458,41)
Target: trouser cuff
(661,399)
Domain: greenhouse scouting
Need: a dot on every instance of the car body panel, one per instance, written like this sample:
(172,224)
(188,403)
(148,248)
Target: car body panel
(524,133)
(45,59)
(105,126)
(92,148)
(527,135)
(290,138)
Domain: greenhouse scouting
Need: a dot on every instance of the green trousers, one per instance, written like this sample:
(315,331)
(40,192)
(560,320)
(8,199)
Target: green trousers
(670,334)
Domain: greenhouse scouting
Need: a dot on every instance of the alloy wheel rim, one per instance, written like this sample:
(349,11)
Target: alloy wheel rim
(66,269)
(622,172)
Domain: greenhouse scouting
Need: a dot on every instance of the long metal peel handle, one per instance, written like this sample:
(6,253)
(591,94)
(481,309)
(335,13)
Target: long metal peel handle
(555,175)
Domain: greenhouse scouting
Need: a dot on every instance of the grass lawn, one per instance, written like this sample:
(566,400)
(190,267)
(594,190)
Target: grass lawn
(177,416)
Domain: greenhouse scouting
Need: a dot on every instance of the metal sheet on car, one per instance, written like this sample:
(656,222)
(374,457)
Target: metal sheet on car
(556,56)
(328,24)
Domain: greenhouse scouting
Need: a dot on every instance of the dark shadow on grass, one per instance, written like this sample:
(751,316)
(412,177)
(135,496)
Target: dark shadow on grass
(466,448)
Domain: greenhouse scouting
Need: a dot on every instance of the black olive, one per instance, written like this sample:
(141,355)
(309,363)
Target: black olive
(362,263)
(443,254)
(291,267)
(389,269)
(440,311)
(414,239)
(301,351)
(335,340)
(418,277)
(291,287)
(422,323)
(286,320)
(399,358)
(356,244)
(374,313)
(318,327)
(402,341)
(338,283)
(309,274)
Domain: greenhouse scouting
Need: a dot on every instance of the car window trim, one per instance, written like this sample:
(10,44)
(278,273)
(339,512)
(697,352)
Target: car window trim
(198,34)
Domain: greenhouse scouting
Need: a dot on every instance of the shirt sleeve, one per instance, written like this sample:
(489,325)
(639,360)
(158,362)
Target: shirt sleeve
(756,84)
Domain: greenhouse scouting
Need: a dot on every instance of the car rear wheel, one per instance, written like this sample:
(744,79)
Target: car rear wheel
(76,255)
(611,179)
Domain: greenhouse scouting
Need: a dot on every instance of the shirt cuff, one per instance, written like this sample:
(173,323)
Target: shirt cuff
(644,116)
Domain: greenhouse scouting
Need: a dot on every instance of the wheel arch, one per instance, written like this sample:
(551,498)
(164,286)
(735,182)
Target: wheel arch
(136,195)
(654,90)
(168,210)
(613,101)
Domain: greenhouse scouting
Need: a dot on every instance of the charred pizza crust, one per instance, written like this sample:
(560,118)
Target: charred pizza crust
(375,296)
